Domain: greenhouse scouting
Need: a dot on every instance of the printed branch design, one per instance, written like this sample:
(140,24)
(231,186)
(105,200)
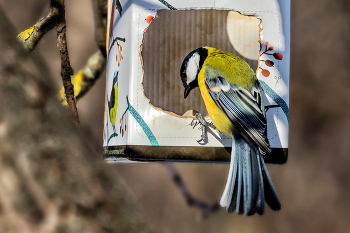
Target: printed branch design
(269,63)
(115,40)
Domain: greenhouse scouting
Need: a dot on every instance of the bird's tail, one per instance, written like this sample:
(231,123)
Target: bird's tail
(248,184)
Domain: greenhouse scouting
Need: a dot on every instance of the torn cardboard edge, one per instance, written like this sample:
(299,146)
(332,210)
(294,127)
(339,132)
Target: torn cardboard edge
(215,34)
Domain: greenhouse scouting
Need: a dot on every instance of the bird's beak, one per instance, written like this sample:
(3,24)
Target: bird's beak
(187,91)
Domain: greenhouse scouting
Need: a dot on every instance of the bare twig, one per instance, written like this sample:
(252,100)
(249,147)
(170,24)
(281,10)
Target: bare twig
(31,36)
(85,79)
(97,62)
(190,199)
(66,69)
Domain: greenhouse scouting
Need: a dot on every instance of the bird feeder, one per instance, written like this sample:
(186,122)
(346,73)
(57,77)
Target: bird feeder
(146,115)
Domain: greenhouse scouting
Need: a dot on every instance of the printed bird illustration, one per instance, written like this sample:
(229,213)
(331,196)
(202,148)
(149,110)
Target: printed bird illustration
(115,6)
(113,101)
(232,96)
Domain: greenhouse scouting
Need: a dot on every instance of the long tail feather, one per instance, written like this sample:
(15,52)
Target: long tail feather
(248,185)
(260,204)
(227,195)
(271,197)
(239,180)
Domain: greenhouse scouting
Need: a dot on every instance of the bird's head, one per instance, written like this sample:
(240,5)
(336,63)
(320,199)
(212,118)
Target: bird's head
(190,68)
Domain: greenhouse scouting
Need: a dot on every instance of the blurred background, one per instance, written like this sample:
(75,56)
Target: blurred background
(314,184)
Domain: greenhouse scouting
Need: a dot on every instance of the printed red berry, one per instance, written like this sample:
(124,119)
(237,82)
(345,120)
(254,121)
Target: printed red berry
(269,63)
(266,43)
(278,56)
(265,73)
(149,19)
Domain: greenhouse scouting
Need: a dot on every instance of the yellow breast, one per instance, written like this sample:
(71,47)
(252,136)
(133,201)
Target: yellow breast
(219,118)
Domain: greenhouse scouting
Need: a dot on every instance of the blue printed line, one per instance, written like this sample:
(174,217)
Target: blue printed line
(273,95)
(167,5)
(152,139)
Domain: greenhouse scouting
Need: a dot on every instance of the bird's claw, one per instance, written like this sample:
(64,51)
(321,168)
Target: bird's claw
(201,119)
(204,124)
(203,135)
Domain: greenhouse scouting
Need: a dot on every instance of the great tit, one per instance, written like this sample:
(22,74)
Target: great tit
(232,96)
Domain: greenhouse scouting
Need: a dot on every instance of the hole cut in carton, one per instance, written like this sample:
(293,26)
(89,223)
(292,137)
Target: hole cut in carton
(171,35)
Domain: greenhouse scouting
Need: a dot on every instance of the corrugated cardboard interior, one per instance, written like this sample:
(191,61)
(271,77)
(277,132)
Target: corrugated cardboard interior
(169,38)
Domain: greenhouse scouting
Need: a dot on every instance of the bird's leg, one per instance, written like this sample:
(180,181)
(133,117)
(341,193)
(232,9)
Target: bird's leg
(204,124)
(204,134)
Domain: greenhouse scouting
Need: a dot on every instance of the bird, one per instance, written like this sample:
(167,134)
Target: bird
(233,98)
(113,101)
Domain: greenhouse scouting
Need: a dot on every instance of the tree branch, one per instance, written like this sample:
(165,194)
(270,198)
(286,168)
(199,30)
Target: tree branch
(66,70)
(190,199)
(85,79)
(51,181)
(31,36)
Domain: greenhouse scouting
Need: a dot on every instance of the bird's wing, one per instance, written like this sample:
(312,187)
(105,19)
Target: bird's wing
(244,108)
(112,100)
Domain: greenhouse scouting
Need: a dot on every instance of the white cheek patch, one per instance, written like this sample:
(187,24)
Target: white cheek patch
(192,67)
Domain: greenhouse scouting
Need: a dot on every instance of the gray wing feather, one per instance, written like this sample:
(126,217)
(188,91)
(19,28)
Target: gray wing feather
(244,108)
